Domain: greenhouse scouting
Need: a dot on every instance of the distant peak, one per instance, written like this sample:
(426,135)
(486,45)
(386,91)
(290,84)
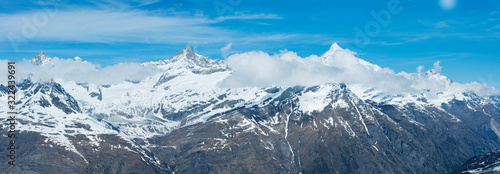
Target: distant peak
(335,47)
(78,59)
(186,54)
(188,49)
(188,57)
(40,58)
(328,55)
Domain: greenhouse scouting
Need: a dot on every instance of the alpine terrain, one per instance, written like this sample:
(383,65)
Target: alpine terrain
(181,119)
(485,163)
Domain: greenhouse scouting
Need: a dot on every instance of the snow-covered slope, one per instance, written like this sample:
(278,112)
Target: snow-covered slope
(186,92)
(185,95)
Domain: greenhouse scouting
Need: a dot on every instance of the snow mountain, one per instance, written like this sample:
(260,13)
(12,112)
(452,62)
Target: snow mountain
(40,58)
(179,120)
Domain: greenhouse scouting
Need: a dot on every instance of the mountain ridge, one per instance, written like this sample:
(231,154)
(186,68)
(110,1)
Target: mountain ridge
(179,120)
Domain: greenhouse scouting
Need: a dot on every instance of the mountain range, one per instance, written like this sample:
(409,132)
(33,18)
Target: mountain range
(180,119)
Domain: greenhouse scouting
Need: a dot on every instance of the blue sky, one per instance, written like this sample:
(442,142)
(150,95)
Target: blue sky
(464,35)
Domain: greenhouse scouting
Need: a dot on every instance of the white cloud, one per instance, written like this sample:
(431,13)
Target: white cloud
(286,68)
(110,26)
(130,26)
(437,67)
(441,24)
(262,69)
(420,68)
(69,70)
(224,50)
(259,69)
(249,16)
(146,2)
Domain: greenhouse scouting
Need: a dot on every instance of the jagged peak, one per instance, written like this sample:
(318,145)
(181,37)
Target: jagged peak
(335,47)
(345,58)
(188,55)
(40,58)
(188,51)
(188,58)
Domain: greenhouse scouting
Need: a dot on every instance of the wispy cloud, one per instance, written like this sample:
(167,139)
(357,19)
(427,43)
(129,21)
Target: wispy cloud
(288,69)
(130,26)
(441,24)
(121,4)
(69,70)
(249,17)
(399,38)
(428,59)
(467,29)
(108,26)
(224,50)
(493,28)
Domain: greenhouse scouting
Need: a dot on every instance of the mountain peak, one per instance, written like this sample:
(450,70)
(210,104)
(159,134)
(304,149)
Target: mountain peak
(197,63)
(186,52)
(78,59)
(335,47)
(40,58)
(188,49)
(188,55)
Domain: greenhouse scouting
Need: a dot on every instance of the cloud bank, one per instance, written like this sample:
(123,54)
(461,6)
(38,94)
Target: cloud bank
(259,69)
(111,25)
(80,72)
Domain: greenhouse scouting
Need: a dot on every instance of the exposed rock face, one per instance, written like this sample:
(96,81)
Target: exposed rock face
(45,95)
(485,163)
(359,138)
(37,155)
